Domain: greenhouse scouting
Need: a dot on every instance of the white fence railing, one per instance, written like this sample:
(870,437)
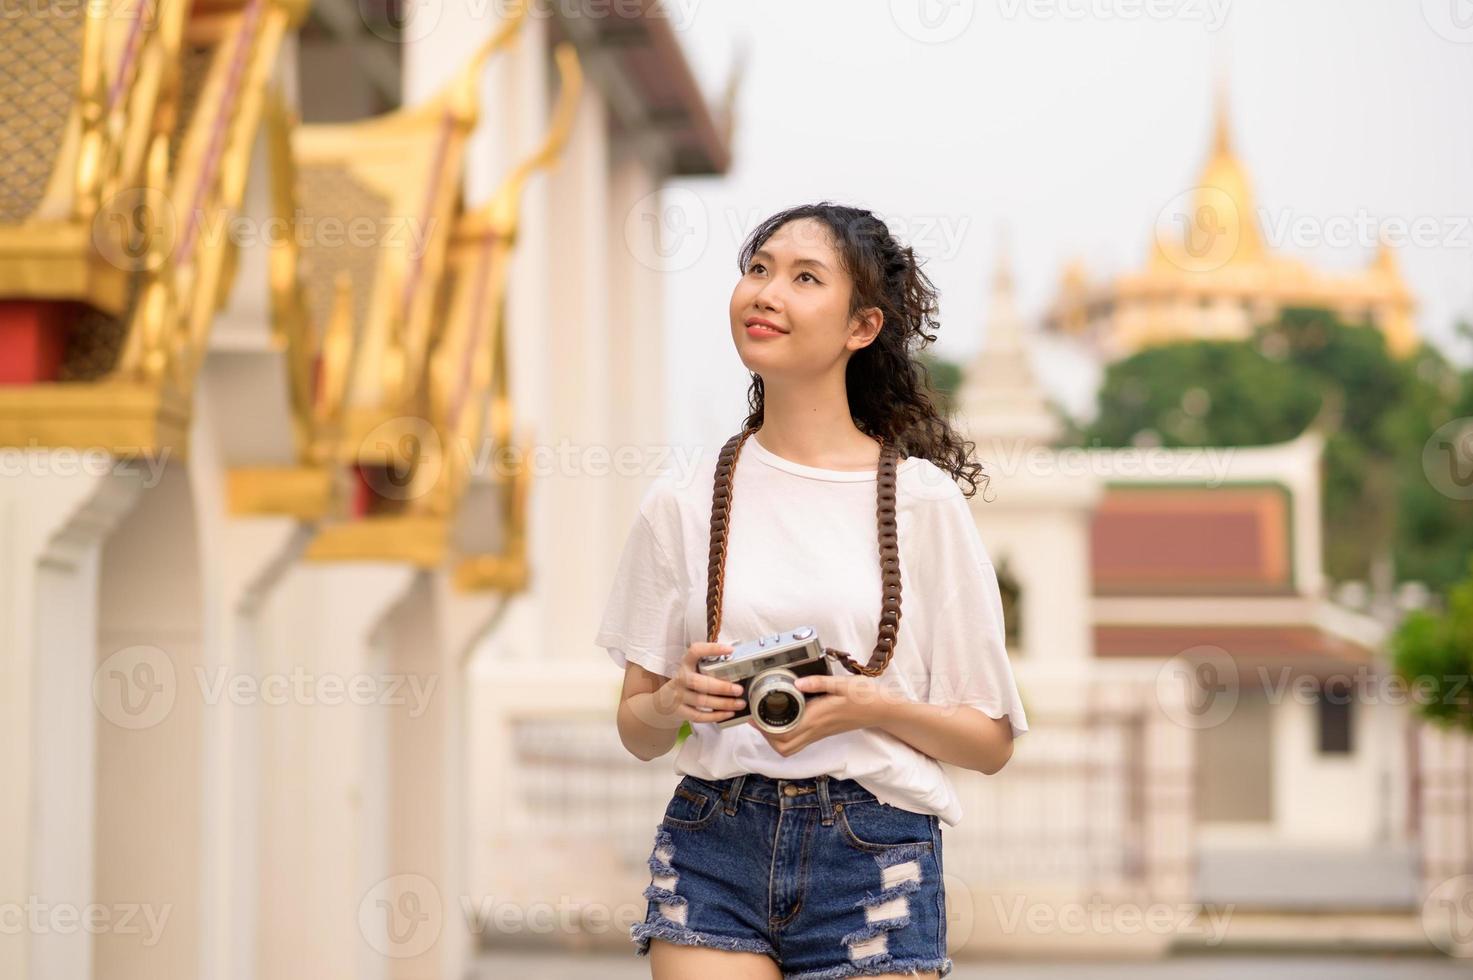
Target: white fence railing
(1094,803)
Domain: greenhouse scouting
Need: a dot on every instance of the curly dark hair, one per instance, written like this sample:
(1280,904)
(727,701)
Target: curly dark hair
(890,391)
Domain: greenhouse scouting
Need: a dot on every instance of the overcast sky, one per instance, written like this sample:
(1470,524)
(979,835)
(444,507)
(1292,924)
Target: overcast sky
(1069,125)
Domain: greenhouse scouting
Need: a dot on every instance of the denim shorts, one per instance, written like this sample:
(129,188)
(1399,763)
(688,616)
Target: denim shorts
(816,873)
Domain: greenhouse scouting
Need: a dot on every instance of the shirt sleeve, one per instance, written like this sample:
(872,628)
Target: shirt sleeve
(644,616)
(969,655)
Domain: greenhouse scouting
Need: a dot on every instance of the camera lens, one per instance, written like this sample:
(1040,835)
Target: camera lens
(778,709)
(776,702)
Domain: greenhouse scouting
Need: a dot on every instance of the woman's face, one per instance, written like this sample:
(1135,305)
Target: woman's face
(796,283)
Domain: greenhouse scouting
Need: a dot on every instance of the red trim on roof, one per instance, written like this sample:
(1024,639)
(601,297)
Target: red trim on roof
(1247,643)
(1173,540)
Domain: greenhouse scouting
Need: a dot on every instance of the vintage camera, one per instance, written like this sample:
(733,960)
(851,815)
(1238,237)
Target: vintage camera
(767,668)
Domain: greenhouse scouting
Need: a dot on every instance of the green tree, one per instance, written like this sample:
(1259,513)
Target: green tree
(1201,393)
(1351,365)
(1433,655)
(1434,533)
(945,379)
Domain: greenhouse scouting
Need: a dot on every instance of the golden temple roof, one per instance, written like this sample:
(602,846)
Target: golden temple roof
(1219,224)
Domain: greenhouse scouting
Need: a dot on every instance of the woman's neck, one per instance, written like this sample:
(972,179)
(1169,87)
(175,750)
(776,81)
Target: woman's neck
(816,432)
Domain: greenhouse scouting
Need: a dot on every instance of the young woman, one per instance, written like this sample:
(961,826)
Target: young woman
(815,853)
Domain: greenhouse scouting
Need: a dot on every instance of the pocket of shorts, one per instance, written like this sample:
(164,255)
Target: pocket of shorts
(874,826)
(691,806)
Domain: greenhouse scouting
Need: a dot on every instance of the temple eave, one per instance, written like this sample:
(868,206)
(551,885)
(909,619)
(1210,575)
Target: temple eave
(123,418)
(57,261)
(411,539)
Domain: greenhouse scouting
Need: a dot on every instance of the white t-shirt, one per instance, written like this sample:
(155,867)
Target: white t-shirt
(802,550)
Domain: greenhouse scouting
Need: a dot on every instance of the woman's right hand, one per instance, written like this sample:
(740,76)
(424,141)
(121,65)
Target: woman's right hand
(693,696)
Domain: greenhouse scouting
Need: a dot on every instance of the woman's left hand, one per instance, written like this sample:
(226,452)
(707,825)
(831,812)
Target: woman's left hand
(847,702)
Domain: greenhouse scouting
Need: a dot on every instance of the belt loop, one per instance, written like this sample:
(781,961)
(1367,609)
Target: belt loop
(823,799)
(733,792)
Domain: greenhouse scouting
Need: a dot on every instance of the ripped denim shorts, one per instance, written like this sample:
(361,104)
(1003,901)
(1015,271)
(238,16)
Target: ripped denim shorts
(816,873)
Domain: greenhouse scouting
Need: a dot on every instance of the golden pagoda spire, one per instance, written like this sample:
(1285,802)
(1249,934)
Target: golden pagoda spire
(1222,143)
(1385,261)
(1211,272)
(1218,225)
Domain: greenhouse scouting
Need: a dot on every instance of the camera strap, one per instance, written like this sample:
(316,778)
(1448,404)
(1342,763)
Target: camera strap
(889,553)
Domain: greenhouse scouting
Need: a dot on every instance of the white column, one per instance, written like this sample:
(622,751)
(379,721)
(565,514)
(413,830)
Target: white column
(148,823)
(253,557)
(574,507)
(323,845)
(636,374)
(54,517)
(427,638)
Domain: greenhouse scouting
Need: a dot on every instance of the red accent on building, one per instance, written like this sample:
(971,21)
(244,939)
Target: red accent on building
(1193,540)
(1246,644)
(33,336)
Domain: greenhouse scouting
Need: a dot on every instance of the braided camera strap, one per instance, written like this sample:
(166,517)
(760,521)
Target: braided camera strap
(889,553)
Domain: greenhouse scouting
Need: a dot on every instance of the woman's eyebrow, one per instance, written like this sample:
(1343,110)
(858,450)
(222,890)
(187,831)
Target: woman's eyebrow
(763,253)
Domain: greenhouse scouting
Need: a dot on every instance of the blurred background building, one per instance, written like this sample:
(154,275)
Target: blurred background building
(285,293)
(1212,276)
(333,351)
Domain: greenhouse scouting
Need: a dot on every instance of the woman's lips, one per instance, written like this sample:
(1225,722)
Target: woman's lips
(758,330)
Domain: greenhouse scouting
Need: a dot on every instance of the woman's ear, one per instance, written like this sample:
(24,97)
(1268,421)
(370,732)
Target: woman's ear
(865,327)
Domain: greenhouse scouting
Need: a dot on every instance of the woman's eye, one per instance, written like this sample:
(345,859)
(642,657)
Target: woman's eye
(759,267)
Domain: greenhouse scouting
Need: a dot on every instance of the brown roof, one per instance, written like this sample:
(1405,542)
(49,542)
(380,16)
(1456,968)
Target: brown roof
(1245,644)
(1197,540)
(645,46)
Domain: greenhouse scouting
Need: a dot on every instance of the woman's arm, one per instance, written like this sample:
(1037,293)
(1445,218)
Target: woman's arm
(652,708)
(961,735)
(646,731)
